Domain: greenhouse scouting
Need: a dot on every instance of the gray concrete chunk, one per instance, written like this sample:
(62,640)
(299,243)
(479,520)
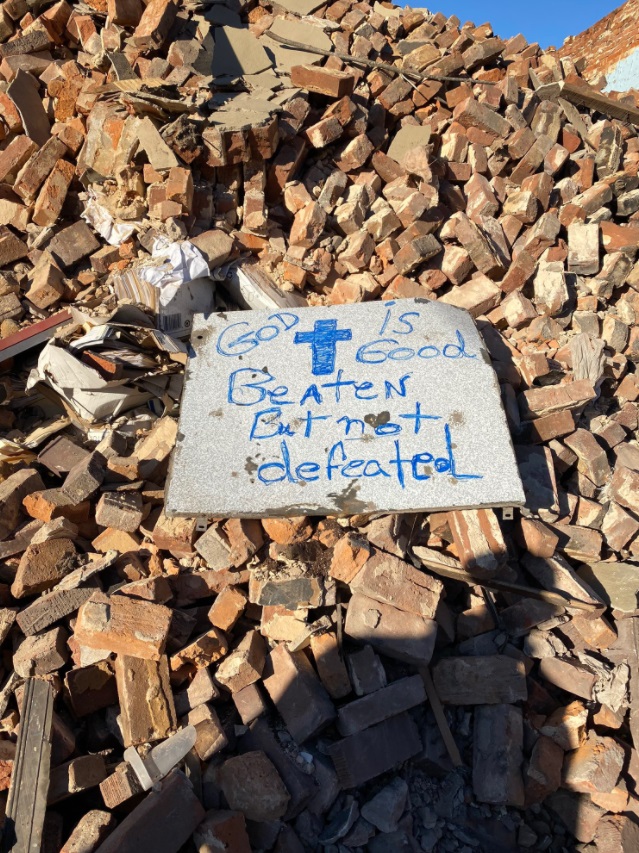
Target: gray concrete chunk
(332,411)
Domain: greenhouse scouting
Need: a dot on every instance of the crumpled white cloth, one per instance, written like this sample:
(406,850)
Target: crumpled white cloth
(99,218)
(179,263)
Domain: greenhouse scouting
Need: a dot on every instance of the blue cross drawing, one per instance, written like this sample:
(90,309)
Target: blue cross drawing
(323,340)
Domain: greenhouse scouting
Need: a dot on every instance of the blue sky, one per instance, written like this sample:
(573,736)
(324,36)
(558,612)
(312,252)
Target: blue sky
(545,21)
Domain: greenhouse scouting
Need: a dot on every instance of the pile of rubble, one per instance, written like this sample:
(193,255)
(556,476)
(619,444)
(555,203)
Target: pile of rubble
(263,675)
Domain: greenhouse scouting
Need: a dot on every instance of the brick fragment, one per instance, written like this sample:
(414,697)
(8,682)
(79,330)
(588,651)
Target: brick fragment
(84,479)
(324,132)
(115,540)
(543,773)
(354,154)
(223,830)
(489,680)
(349,555)
(540,541)
(297,693)
(478,540)
(47,609)
(308,225)
(366,671)
(557,574)
(481,252)
(583,248)
(569,675)
(120,786)
(470,113)
(244,665)
(174,534)
(618,527)
(227,608)
(215,245)
(41,653)
(13,490)
(392,581)
(120,510)
(163,821)
(594,766)
(250,703)
(214,548)
(393,632)
(251,784)
(532,159)
(624,488)
(477,296)
(324,81)
(497,755)
(591,455)
(578,813)
(73,243)
(245,539)
(91,688)
(329,664)
(47,283)
(552,426)
(288,531)
(538,402)
(123,625)
(155,23)
(401,695)
(38,167)
(147,712)
(201,652)
(12,248)
(416,252)
(23,91)
(92,828)
(210,734)
(73,777)
(43,566)
(125,13)
(53,193)
(374,751)
(201,689)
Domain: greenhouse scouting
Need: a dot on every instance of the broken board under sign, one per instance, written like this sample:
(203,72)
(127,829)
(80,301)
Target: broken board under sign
(386,406)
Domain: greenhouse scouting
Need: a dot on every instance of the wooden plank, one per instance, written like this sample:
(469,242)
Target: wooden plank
(584,96)
(27,800)
(440,718)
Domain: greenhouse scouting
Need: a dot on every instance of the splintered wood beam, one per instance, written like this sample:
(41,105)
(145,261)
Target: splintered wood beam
(27,801)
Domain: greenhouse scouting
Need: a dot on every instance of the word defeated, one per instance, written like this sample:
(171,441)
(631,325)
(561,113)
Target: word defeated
(398,466)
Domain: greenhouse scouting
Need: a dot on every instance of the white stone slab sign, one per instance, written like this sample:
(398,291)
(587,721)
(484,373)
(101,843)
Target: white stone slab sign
(389,406)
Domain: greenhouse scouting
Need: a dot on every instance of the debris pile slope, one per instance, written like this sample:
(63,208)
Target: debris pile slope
(449,681)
